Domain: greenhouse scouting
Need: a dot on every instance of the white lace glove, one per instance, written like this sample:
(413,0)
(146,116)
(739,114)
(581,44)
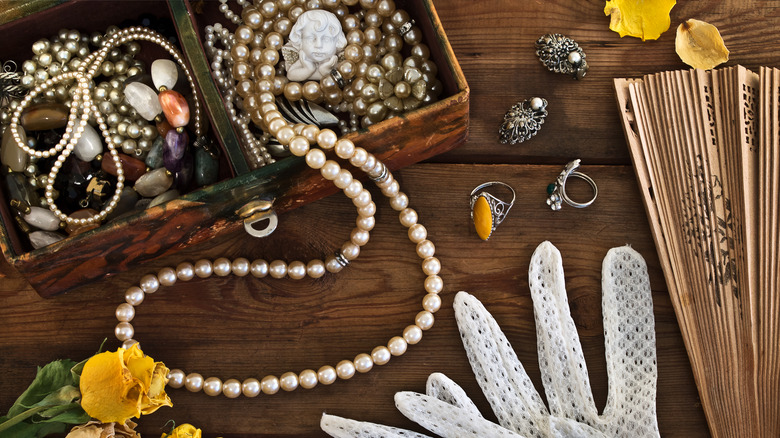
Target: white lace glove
(629,333)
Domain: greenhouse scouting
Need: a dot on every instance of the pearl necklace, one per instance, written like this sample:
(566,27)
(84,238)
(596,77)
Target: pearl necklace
(297,270)
(81,108)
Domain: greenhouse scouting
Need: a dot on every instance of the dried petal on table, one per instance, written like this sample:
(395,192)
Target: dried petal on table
(700,45)
(645,19)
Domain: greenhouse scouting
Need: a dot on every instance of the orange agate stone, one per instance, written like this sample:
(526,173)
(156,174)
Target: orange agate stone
(175,108)
(483,218)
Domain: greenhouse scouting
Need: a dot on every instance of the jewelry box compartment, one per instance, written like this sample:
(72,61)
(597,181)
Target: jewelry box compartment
(201,214)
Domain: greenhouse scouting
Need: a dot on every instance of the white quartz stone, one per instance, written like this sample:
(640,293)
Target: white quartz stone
(164,73)
(39,239)
(144,99)
(89,145)
(42,218)
(154,183)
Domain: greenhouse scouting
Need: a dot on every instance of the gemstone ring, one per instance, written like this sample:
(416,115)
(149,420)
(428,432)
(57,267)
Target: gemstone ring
(557,190)
(487,211)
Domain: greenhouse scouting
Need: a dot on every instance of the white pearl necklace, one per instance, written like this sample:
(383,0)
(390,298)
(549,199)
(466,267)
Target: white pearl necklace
(82,107)
(297,270)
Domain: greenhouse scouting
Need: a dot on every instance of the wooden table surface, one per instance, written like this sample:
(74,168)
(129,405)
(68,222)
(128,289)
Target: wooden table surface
(243,327)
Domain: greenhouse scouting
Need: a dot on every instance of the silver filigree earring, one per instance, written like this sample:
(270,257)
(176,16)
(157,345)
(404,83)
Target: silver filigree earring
(561,54)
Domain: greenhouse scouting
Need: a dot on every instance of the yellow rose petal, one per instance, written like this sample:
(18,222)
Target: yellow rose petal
(700,45)
(109,392)
(483,218)
(645,19)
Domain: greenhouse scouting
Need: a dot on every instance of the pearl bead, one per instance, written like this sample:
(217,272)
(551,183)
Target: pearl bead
(417,233)
(277,269)
(330,170)
(124,331)
(212,386)
(240,267)
(426,249)
(359,156)
(327,139)
(259,268)
(350,251)
(250,387)
(381,355)
(408,217)
(399,202)
(363,363)
(424,320)
(231,388)
(270,385)
(392,189)
(167,276)
(327,375)
(296,270)
(433,284)
(222,267)
(289,381)
(125,312)
(431,266)
(134,296)
(149,284)
(359,237)
(308,379)
(185,271)
(353,189)
(412,334)
(431,303)
(397,345)
(315,268)
(175,378)
(367,210)
(366,223)
(344,148)
(203,268)
(345,369)
(362,199)
(193,382)
(315,158)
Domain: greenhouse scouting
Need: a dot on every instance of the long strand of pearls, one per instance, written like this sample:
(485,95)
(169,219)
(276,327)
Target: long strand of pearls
(327,374)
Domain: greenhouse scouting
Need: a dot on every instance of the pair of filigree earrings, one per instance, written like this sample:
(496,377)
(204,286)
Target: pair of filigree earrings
(560,54)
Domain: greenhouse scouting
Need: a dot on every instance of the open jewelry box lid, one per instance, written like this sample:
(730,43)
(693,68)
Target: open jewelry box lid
(205,213)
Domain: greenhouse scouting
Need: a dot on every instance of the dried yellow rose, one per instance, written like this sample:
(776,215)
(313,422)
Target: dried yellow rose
(183,431)
(645,19)
(118,385)
(700,45)
(96,429)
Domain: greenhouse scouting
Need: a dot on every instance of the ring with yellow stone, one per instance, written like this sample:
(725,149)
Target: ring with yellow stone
(488,211)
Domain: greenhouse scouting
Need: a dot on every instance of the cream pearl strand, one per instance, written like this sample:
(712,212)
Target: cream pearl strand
(241,267)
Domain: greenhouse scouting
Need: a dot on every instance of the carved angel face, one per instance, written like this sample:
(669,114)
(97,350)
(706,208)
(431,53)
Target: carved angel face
(318,45)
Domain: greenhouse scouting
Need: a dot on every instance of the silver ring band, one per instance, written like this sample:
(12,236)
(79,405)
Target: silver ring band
(557,190)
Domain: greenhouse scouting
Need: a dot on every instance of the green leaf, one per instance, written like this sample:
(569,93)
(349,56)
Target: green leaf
(49,379)
(38,430)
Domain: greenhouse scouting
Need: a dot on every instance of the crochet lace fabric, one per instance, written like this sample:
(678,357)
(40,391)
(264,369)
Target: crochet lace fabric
(629,334)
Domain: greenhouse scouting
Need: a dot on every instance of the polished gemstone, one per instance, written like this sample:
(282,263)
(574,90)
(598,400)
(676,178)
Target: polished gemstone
(174,149)
(40,239)
(44,116)
(42,218)
(89,145)
(19,189)
(133,167)
(483,218)
(10,153)
(206,168)
(154,158)
(164,73)
(164,197)
(183,177)
(126,203)
(163,127)
(154,183)
(175,108)
(144,99)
